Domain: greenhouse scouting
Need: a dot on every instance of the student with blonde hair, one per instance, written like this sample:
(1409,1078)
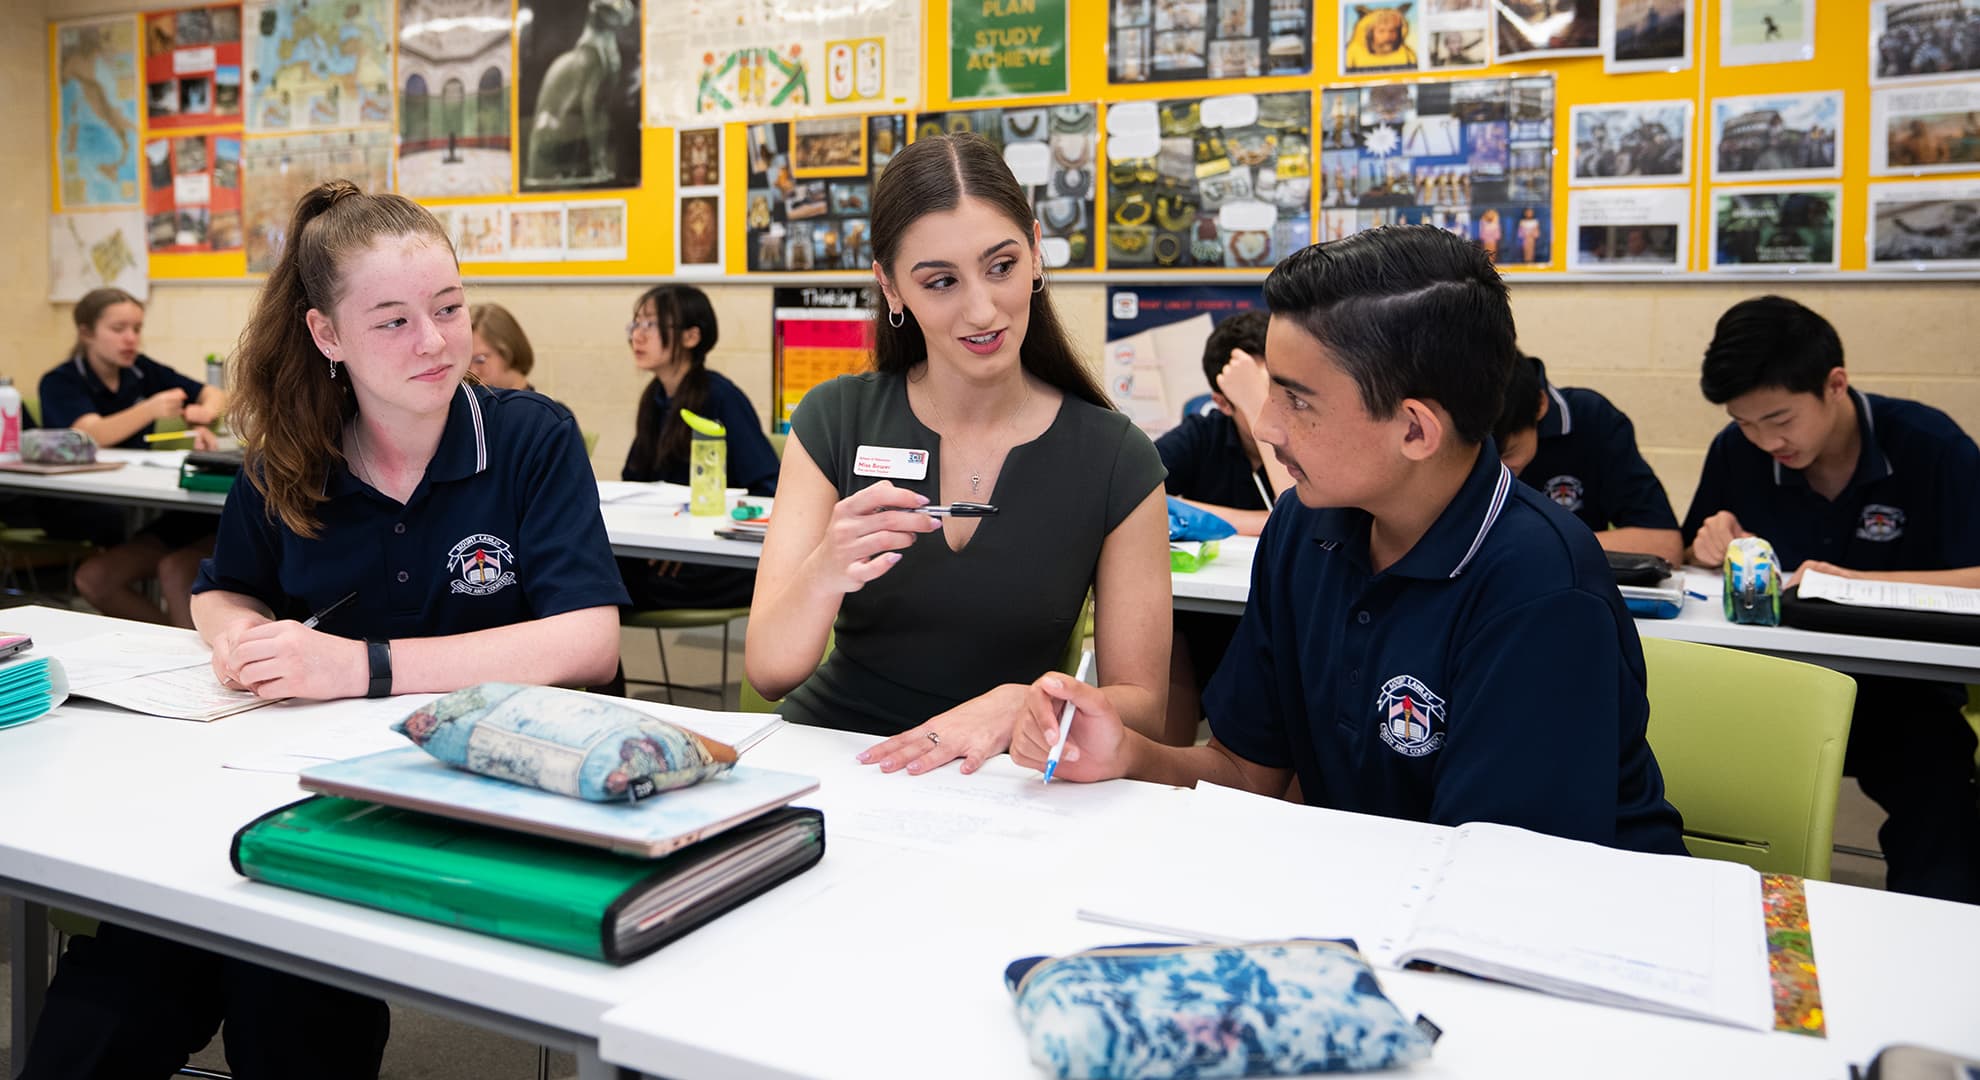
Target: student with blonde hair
(502,358)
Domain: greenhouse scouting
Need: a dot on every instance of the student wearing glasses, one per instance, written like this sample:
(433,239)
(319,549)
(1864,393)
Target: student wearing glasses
(671,333)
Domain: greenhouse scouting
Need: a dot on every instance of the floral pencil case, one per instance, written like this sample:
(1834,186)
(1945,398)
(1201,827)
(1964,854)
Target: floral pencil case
(572,743)
(1153,1012)
(57,446)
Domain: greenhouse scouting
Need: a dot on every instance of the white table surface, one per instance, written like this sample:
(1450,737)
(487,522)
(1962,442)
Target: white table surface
(136,484)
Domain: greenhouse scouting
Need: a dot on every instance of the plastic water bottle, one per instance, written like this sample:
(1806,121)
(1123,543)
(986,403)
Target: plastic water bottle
(10,420)
(708,466)
(216,372)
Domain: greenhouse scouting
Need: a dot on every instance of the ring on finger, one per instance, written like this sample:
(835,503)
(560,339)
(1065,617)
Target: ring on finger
(935,738)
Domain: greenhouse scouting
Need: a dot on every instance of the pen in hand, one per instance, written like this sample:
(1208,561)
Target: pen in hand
(310,623)
(961,509)
(1066,715)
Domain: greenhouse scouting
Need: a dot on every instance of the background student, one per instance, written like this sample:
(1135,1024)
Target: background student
(1426,638)
(976,396)
(1574,447)
(502,358)
(672,330)
(1865,486)
(109,390)
(1216,465)
(466,524)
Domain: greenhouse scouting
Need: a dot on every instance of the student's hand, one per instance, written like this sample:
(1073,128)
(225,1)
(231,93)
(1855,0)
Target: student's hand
(196,413)
(224,644)
(867,531)
(1245,382)
(1818,566)
(1714,537)
(1095,747)
(204,439)
(286,659)
(975,731)
(166,404)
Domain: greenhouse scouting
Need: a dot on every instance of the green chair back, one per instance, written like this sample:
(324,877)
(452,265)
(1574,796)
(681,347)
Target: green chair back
(590,442)
(1751,749)
(777,441)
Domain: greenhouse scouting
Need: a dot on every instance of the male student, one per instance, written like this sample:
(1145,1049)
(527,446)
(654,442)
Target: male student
(1215,464)
(1425,637)
(1574,447)
(1866,486)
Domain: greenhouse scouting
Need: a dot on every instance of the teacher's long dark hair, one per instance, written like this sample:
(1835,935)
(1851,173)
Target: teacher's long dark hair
(930,176)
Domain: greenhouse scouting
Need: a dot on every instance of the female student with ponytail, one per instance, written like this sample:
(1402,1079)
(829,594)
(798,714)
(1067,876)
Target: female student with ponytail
(672,330)
(463,521)
(976,396)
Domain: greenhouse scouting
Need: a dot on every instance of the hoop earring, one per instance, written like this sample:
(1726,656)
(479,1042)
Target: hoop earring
(1038,283)
(896,319)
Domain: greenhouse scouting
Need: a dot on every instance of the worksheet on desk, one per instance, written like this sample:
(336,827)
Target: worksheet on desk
(121,655)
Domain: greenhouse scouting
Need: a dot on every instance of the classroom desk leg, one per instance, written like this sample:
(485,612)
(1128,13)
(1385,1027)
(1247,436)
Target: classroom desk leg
(27,941)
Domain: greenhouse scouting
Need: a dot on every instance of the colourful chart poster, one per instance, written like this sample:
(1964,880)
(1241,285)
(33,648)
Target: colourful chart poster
(1473,156)
(279,170)
(192,68)
(192,199)
(96,124)
(810,193)
(720,60)
(1222,181)
(318,65)
(1007,48)
(1053,152)
(820,334)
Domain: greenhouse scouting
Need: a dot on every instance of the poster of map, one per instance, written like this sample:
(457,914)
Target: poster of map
(279,170)
(318,65)
(96,134)
(192,67)
(94,251)
(721,60)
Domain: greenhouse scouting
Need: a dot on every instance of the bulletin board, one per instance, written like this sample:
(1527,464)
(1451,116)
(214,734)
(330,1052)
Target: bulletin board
(622,222)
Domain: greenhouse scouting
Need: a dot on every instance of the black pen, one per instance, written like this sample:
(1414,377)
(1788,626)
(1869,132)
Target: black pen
(961,509)
(310,623)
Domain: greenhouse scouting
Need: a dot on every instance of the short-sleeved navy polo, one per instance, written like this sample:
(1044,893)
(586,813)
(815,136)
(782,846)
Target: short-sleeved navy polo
(1491,674)
(1910,504)
(1206,461)
(752,461)
(71,391)
(1586,460)
(504,528)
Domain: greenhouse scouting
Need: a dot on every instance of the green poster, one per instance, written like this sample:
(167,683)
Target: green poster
(1006,48)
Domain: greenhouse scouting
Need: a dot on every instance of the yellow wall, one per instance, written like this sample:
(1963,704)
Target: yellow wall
(1637,343)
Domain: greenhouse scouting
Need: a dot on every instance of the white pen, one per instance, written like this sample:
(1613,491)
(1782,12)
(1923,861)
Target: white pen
(1066,715)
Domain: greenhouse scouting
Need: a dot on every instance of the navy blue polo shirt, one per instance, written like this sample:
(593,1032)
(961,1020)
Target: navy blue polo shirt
(504,528)
(71,391)
(1205,458)
(752,461)
(1491,674)
(1586,461)
(1910,505)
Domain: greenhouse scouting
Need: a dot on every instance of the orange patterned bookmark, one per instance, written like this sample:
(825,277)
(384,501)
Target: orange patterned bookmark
(1791,956)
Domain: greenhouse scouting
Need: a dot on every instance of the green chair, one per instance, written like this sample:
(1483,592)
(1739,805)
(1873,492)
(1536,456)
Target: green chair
(661,620)
(1751,749)
(777,441)
(590,442)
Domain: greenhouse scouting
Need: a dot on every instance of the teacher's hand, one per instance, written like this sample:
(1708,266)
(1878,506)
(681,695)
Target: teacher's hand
(868,530)
(975,731)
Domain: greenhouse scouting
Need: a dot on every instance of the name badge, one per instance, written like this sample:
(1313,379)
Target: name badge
(891,463)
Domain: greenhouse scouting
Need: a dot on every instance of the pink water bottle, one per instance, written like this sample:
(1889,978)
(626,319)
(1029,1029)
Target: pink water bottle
(10,420)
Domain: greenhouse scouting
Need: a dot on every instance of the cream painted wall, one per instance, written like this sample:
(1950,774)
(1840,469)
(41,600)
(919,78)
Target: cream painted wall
(1638,344)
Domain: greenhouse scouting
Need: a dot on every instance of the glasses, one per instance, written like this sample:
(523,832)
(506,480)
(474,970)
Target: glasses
(634,327)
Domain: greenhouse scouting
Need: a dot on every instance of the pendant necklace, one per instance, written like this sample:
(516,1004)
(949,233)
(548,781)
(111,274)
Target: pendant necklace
(976,474)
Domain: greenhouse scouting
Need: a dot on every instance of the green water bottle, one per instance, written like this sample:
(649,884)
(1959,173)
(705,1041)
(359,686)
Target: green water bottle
(708,466)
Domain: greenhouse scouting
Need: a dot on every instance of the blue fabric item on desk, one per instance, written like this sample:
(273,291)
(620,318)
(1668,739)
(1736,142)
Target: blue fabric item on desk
(1150,1012)
(1186,522)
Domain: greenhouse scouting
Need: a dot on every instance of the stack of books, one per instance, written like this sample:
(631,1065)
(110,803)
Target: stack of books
(402,832)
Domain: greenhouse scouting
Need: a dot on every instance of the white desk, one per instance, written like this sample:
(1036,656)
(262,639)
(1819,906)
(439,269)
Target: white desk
(136,484)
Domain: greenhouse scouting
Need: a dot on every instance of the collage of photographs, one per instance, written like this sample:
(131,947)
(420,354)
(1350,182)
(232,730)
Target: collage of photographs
(192,67)
(1228,181)
(1054,151)
(811,190)
(1472,156)
(192,199)
(1158,40)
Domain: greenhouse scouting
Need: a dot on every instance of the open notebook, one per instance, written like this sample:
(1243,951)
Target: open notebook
(1666,934)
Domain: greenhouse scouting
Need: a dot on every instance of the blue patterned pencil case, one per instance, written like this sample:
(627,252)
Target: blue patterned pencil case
(1152,1012)
(572,743)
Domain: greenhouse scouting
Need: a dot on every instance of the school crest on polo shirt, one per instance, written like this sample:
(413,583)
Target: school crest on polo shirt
(482,564)
(1411,718)
(1566,491)
(1880,522)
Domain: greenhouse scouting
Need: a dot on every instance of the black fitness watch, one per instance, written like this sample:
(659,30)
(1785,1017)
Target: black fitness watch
(380,653)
